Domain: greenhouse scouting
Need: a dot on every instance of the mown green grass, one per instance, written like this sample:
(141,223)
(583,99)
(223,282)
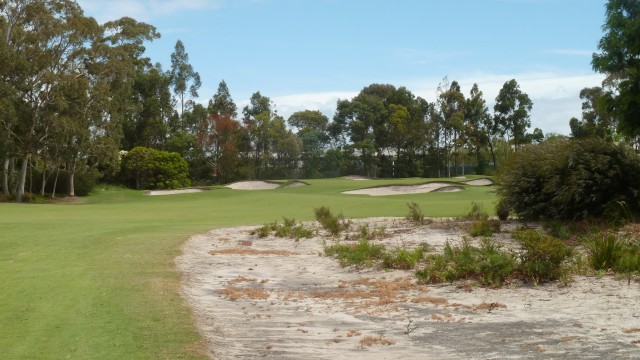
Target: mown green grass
(97,280)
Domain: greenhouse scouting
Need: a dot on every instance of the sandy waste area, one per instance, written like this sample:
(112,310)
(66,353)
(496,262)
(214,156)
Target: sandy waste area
(274,298)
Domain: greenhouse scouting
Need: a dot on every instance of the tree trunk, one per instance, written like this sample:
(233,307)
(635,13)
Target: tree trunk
(5,176)
(22,178)
(44,177)
(71,166)
(55,183)
(493,154)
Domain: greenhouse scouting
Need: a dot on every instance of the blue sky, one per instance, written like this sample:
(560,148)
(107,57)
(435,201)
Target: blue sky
(306,54)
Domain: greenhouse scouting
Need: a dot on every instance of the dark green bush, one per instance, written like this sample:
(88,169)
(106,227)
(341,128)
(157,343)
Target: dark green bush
(542,257)
(502,210)
(147,168)
(571,179)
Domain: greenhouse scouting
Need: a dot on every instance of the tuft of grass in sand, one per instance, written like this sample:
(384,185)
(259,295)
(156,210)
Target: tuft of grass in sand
(368,341)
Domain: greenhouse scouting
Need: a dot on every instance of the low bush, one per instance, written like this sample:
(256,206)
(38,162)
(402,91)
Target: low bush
(604,250)
(502,210)
(403,259)
(415,213)
(334,224)
(477,212)
(484,227)
(617,252)
(542,257)
(488,264)
(366,233)
(288,229)
(363,253)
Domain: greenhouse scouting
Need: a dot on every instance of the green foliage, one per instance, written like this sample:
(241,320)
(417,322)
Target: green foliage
(330,222)
(415,213)
(484,227)
(502,210)
(617,59)
(489,264)
(477,211)
(542,257)
(154,169)
(403,259)
(571,179)
(365,233)
(611,251)
(363,253)
(557,229)
(288,229)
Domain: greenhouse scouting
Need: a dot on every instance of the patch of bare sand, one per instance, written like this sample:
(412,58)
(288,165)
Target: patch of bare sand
(172,192)
(296,184)
(253,185)
(479,182)
(402,189)
(357,177)
(284,300)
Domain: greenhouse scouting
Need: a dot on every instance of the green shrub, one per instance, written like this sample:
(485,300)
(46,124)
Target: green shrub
(415,213)
(542,257)
(558,229)
(288,229)
(571,179)
(484,227)
(334,224)
(366,233)
(609,251)
(502,210)
(363,253)
(488,264)
(604,250)
(147,168)
(477,212)
(403,259)
(494,264)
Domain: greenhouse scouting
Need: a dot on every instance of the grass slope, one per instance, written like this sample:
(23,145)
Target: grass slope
(97,280)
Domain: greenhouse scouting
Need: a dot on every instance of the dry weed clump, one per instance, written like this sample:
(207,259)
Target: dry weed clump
(489,306)
(240,279)
(431,300)
(631,330)
(251,252)
(234,294)
(369,341)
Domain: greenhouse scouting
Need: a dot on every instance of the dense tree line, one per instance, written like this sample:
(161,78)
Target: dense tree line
(76,95)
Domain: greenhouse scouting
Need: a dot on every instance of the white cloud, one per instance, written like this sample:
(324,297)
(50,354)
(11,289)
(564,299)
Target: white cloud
(142,10)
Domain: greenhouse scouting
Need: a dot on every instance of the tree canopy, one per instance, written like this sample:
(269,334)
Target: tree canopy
(619,59)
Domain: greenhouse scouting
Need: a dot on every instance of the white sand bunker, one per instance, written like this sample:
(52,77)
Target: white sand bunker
(253,185)
(295,184)
(401,189)
(356,177)
(479,182)
(172,192)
